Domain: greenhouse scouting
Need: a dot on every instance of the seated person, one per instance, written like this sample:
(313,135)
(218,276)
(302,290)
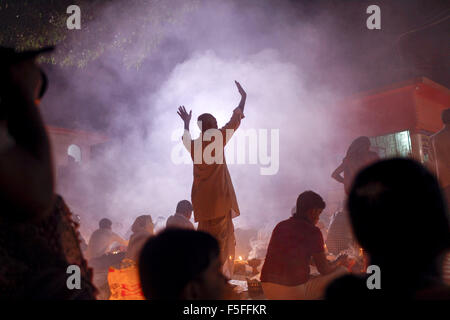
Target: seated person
(399,218)
(142,230)
(180,264)
(181,217)
(286,273)
(123,280)
(102,239)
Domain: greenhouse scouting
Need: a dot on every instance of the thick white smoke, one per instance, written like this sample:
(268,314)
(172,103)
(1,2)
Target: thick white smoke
(271,53)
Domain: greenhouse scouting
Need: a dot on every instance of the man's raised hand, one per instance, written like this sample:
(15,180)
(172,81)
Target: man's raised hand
(240,89)
(186,117)
(243,97)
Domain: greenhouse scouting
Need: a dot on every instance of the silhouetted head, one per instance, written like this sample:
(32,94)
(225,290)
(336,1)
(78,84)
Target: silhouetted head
(359,145)
(105,223)
(181,264)
(398,215)
(185,208)
(309,206)
(143,223)
(206,121)
(446,116)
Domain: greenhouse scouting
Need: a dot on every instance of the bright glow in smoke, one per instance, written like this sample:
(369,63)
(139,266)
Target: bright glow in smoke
(141,178)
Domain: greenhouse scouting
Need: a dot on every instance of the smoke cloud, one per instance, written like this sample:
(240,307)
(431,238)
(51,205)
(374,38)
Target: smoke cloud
(276,55)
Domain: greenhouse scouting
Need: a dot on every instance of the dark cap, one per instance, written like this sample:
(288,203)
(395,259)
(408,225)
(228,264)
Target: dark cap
(10,56)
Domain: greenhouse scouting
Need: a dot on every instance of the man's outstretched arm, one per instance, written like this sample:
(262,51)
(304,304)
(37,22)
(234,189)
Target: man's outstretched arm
(238,114)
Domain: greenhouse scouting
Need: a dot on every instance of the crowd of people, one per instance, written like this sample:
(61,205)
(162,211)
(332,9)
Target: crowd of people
(396,211)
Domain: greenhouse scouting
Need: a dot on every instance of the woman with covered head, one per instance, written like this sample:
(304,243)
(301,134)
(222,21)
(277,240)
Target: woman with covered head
(142,229)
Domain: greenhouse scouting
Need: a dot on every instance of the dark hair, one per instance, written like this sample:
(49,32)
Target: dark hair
(397,211)
(105,223)
(169,261)
(141,222)
(183,206)
(358,145)
(208,121)
(308,200)
(446,116)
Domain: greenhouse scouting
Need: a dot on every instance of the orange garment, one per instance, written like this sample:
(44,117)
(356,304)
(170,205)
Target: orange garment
(124,282)
(223,230)
(212,194)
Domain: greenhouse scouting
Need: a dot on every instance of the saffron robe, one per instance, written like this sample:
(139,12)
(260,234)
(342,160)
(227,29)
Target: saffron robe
(212,194)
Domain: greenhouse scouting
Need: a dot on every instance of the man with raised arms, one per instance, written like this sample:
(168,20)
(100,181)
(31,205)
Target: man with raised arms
(213,197)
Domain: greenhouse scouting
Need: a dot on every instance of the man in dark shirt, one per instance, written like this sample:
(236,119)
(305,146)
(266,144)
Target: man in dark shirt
(182,216)
(285,274)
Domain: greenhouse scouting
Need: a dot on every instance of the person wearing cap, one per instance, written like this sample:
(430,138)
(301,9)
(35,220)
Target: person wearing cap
(181,217)
(38,237)
(26,172)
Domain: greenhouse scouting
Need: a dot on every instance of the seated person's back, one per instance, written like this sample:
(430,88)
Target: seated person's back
(101,240)
(143,229)
(294,244)
(291,247)
(181,217)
